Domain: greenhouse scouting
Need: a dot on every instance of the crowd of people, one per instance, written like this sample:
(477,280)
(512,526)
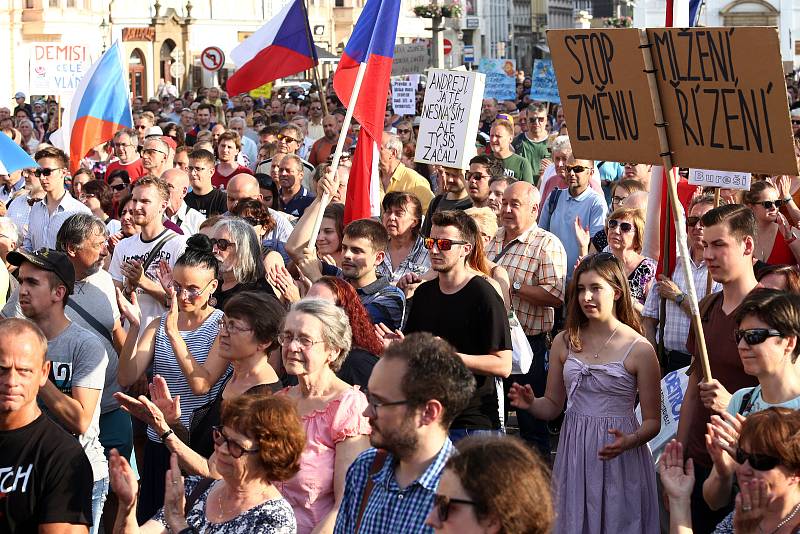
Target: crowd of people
(182,354)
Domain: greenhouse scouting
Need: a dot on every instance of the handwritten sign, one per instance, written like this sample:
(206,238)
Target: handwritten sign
(410,58)
(723,93)
(501,81)
(404,100)
(57,68)
(544,86)
(605,94)
(450,118)
(723,179)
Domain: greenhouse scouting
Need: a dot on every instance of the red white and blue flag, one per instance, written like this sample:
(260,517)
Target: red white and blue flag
(372,43)
(100,107)
(282,47)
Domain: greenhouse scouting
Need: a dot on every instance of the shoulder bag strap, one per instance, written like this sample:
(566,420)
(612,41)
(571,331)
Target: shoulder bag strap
(90,319)
(377,465)
(154,252)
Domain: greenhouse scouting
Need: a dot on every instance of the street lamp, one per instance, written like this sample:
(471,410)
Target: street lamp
(104,33)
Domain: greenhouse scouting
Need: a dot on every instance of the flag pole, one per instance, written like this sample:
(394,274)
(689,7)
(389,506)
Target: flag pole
(312,47)
(362,68)
(672,189)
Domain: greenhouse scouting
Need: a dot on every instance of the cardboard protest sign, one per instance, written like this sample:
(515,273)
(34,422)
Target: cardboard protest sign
(501,81)
(723,179)
(404,100)
(265,91)
(450,118)
(723,94)
(410,58)
(57,68)
(605,94)
(544,86)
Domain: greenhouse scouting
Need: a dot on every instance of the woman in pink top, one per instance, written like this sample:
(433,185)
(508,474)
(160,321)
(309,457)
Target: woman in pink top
(316,338)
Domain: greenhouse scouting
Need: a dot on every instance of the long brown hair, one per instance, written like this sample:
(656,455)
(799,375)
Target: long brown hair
(609,267)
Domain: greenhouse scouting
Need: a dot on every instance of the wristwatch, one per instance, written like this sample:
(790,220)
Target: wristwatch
(516,286)
(680,298)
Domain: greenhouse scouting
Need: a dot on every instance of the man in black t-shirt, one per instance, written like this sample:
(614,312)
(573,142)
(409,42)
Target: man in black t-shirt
(465,310)
(204,197)
(45,477)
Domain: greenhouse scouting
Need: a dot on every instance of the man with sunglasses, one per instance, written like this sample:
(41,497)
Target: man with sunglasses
(143,123)
(47,216)
(532,144)
(729,243)
(455,196)
(125,144)
(578,205)
(395,176)
(415,391)
(482,170)
(289,138)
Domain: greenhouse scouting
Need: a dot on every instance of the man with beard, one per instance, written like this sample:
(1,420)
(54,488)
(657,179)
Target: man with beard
(416,389)
(154,244)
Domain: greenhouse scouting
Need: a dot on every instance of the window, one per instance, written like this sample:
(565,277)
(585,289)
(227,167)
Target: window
(54,3)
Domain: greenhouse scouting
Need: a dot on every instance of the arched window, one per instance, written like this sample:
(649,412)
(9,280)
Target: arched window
(137,73)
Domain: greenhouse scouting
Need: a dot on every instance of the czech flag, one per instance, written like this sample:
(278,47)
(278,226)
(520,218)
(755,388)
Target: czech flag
(279,48)
(100,107)
(372,43)
(13,157)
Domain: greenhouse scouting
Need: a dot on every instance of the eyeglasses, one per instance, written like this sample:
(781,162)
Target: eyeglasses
(120,145)
(375,404)
(443,502)
(230,327)
(624,227)
(44,172)
(759,462)
(192,168)
(287,138)
(769,204)
(234,449)
(84,196)
(442,244)
(577,169)
(119,187)
(222,244)
(795,123)
(476,176)
(305,342)
(153,151)
(617,200)
(692,221)
(755,336)
(190,293)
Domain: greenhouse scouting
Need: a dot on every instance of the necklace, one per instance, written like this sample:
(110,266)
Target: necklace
(786,519)
(597,354)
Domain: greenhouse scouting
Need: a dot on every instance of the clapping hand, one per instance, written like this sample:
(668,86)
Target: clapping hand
(677,478)
(751,506)
(129,308)
(174,497)
(721,440)
(583,237)
(164,275)
(284,284)
(123,480)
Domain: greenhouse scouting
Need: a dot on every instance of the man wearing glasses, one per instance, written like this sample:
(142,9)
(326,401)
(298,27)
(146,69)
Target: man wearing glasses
(482,170)
(125,146)
(155,156)
(290,139)
(531,144)
(47,216)
(144,122)
(315,120)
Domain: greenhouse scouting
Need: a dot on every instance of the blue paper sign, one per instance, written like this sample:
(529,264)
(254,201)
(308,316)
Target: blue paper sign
(501,80)
(544,87)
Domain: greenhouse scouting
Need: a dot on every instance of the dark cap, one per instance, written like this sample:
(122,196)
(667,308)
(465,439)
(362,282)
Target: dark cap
(49,260)
(264,180)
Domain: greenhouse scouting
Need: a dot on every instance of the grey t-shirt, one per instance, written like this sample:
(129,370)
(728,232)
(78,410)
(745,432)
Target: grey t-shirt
(79,360)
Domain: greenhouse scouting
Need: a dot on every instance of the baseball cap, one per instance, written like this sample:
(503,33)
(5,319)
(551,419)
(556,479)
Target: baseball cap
(49,260)
(19,94)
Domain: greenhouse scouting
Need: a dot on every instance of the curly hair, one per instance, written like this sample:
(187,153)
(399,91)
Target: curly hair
(273,423)
(364,335)
(507,482)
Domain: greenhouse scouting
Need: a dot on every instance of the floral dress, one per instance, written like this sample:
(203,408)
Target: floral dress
(641,278)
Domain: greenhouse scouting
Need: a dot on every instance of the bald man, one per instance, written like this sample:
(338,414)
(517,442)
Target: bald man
(245,187)
(186,218)
(47,478)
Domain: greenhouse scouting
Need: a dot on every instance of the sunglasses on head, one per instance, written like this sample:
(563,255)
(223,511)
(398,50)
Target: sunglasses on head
(442,504)
(442,244)
(44,172)
(577,169)
(222,244)
(759,462)
(769,204)
(624,227)
(692,221)
(755,336)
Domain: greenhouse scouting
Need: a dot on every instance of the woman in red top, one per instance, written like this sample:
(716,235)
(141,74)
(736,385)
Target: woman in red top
(228,146)
(771,245)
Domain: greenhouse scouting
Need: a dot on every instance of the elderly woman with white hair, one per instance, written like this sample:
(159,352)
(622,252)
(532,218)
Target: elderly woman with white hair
(238,250)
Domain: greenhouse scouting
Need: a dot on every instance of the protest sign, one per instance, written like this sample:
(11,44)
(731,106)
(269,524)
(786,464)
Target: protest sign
(673,388)
(410,58)
(723,94)
(57,68)
(605,94)
(501,81)
(404,101)
(264,91)
(450,118)
(544,86)
(723,179)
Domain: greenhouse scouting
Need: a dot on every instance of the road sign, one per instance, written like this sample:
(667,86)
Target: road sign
(177,70)
(448,46)
(212,58)
(469,54)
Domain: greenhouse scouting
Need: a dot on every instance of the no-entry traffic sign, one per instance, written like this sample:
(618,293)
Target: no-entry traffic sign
(212,58)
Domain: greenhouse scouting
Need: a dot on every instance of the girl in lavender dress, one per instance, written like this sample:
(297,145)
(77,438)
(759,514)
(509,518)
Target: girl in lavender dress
(603,478)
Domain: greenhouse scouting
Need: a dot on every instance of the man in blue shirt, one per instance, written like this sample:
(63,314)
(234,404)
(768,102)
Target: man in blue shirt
(565,209)
(293,198)
(416,389)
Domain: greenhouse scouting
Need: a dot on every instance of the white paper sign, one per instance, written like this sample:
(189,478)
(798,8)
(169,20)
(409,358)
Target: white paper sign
(57,68)
(673,388)
(450,118)
(404,99)
(723,179)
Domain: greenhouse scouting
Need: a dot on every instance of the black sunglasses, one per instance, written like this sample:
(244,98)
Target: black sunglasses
(624,227)
(234,449)
(759,462)
(44,172)
(119,187)
(442,244)
(755,336)
(443,502)
(769,204)
(222,244)
(288,138)
(577,169)
(691,221)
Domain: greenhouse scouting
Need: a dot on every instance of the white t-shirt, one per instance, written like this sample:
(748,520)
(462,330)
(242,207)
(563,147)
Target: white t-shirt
(133,248)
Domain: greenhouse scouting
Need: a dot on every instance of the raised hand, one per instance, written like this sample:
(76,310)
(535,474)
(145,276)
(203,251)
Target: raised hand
(129,308)
(751,506)
(387,335)
(676,477)
(123,480)
(164,275)
(583,237)
(171,322)
(174,497)
(162,399)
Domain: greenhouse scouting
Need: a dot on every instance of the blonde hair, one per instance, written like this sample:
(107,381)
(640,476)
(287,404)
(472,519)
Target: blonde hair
(637,218)
(485,218)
